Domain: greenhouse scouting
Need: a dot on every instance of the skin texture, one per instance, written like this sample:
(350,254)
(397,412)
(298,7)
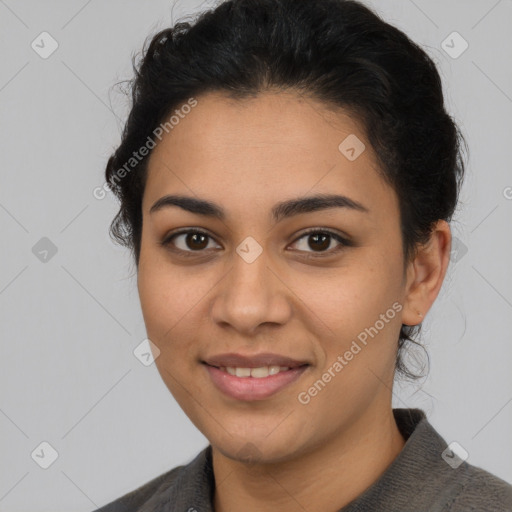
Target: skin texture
(246,156)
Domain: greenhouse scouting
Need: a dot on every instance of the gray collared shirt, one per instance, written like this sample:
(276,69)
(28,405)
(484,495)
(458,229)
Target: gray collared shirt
(425,476)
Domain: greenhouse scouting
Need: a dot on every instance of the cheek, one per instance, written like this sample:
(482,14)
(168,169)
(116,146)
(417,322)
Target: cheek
(173,301)
(360,307)
(165,295)
(347,300)
(163,298)
(168,302)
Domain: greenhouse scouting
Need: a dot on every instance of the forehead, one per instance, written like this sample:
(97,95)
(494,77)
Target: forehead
(277,144)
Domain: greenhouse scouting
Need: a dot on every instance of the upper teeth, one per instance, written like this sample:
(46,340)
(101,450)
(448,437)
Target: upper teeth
(262,371)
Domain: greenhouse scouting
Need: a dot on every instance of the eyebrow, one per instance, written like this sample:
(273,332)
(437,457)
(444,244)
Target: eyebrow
(280,211)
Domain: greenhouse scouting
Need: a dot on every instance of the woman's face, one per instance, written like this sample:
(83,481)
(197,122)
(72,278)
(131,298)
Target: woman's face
(254,282)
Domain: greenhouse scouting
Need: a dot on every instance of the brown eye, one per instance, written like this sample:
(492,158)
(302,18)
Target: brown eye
(320,241)
(189,241)
(196,241)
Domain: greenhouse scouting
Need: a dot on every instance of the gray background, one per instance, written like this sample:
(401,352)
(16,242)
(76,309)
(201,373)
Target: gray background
(69,325)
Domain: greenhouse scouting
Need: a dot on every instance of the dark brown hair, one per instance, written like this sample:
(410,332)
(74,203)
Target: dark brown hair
(336,51)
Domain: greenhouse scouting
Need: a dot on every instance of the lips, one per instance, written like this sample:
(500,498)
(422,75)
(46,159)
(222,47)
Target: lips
(254,361)
(250,388)
(255,377)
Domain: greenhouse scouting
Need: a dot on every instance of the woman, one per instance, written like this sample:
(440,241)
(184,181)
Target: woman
(286,176)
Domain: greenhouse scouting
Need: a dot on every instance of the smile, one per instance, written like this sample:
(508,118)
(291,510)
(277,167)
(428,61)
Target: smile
(257,373)
(244,383)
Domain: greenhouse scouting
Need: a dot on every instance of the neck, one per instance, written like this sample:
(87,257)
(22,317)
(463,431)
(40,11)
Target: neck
(326,478)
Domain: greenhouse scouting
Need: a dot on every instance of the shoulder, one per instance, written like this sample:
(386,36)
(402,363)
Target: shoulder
(173,490)
(136,498)
(429,475)
(479,490)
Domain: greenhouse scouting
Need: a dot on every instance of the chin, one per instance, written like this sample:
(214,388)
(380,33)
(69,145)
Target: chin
(254,449)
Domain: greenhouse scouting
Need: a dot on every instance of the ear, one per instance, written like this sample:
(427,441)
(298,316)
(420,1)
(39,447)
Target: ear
(425,274)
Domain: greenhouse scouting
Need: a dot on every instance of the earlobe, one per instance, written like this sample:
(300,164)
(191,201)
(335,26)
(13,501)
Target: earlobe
(425,274)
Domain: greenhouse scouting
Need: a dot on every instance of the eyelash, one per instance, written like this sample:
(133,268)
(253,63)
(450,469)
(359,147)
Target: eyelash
(167,242)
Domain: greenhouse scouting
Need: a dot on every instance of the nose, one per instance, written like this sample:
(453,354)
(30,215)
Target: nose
(251,294)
